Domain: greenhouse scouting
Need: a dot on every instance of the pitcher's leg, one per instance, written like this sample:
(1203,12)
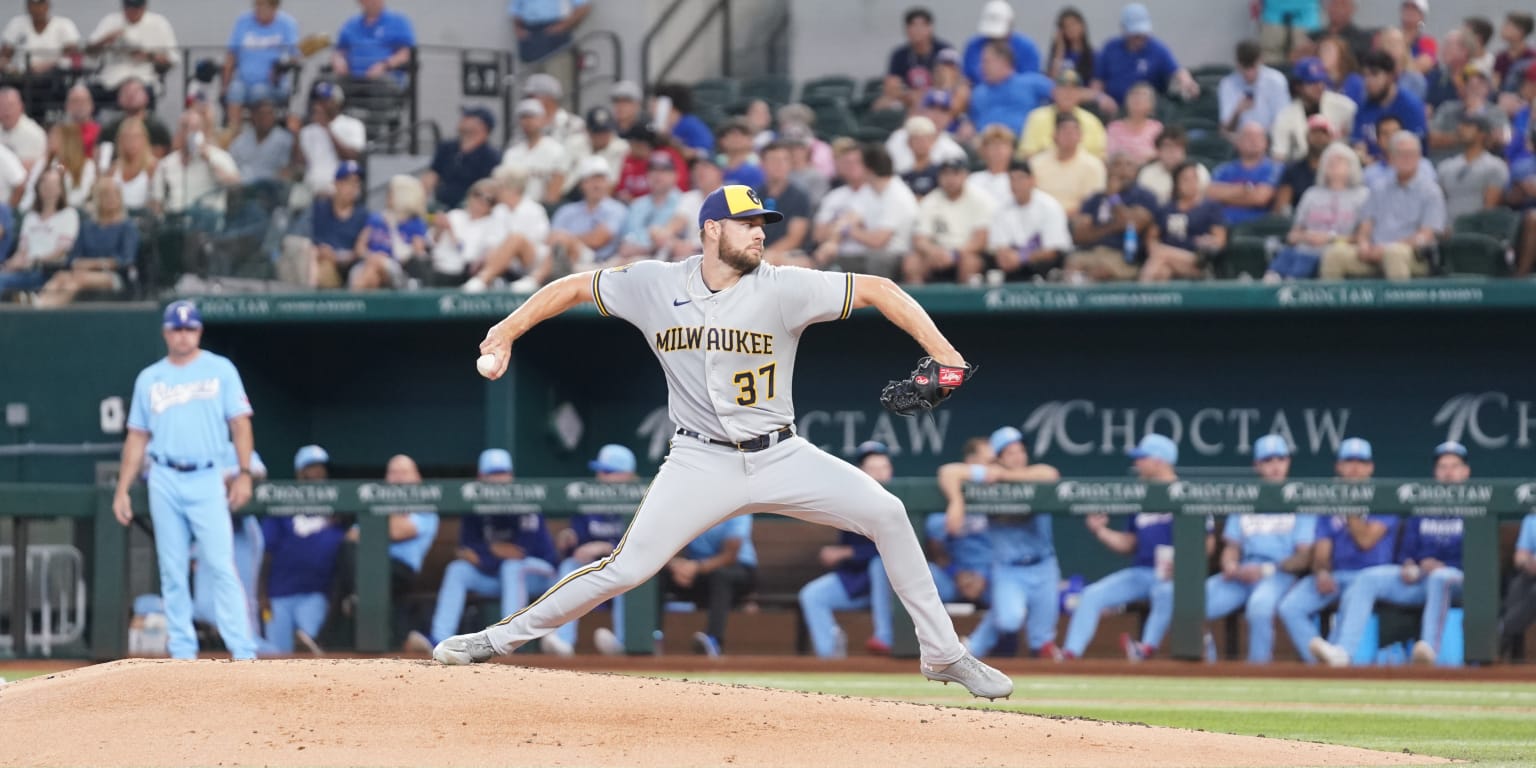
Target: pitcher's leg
(695,489)
(801,481)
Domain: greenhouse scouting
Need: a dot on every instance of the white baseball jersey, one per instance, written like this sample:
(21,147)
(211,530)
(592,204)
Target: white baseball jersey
(729,357)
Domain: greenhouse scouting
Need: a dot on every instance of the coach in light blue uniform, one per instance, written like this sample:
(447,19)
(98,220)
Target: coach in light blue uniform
(187,408)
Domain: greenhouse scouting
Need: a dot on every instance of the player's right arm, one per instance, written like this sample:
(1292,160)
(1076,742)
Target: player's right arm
(551,300)
(128,469)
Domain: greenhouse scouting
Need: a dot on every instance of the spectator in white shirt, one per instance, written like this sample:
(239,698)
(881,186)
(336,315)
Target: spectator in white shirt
(1288,136)
(601,139)
(996,153)
(523,254)
(541,155)
(66,150)
(189,175)
(681,240)
(560,125)
(1029,236)
(866,226)
(330,138)
(935,107)
(20,133)
(134,43)
(37,41)
(951,230)
(1172,150)
(47,233)
(464,237)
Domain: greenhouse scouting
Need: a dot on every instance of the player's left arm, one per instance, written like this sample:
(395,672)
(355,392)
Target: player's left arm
(553,299)
(905,313)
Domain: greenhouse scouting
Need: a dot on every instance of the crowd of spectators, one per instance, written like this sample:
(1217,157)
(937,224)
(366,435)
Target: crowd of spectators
(1103,132)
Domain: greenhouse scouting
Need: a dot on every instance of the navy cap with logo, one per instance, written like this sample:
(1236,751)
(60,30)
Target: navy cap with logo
(347,169)
(870,448)
(735,201)
(600,120)
(182,314)
(480,113)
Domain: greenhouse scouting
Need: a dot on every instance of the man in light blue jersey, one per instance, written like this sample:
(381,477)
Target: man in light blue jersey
(186,409)
(1262,557)
(249,546)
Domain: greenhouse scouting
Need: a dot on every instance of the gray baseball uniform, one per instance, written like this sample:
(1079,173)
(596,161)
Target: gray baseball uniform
(729,360)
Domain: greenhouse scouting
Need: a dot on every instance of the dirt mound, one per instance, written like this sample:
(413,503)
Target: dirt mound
(404,713)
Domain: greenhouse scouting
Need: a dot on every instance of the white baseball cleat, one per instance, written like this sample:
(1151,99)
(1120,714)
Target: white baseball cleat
(464,649)
(1328,653)
(981,680)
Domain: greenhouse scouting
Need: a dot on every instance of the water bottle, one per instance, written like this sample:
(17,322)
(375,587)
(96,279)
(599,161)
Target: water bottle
(1132,243)
(656,642)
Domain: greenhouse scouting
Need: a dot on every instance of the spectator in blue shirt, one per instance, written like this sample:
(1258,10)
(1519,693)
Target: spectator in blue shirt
(103,254)
(587,231)
(1190,228)
(334,226)
(1253,92)
(691,134)
(261,38)
(506,555)
(1427,573)
(1520,601)
(544,26)
(1137,57)
(411,534)
(736,155)
(392,237)
(1345,547)
(1246,185)
(909,74)
(715,570)
(1005,96)
(1384,97)
(996,25)
(459,163)
(374,44)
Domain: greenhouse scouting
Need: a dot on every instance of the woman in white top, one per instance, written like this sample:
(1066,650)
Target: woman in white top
(66,150)
(133,164)
(1329,211)
(466,236)
(47,233)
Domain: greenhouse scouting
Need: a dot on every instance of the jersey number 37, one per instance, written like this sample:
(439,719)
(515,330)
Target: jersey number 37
(747,382)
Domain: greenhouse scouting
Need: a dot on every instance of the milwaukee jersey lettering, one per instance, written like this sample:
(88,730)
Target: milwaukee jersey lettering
(729,357)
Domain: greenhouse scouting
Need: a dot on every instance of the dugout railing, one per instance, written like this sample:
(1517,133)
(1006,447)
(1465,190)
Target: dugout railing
(1481,504)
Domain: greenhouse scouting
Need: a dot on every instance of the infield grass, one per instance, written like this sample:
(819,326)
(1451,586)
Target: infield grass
(1492,725)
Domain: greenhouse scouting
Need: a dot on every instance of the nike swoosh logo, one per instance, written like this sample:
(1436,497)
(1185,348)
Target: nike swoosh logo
(680,302)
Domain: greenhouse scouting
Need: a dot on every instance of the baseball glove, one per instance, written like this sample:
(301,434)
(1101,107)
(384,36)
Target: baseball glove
(929,384)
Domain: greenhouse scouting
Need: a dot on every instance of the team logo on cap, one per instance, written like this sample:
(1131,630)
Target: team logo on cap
(752,195)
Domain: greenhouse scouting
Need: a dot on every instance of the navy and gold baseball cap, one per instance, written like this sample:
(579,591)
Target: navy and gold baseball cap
(182,314)
(735,201)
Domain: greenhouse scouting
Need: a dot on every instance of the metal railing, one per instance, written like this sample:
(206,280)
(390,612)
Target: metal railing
(720,8)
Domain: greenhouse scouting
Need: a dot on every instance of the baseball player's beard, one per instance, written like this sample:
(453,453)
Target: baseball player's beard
(743,260)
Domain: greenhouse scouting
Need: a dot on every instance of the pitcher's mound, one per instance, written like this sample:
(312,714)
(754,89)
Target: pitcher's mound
(408,713)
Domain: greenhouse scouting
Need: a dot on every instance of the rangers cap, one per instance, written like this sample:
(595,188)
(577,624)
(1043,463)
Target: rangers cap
(1355,449)
(1004,437)
(308,455)
(182,314)
(495,461)
(1452,447)
(1270,447)
(1155,446)
(613,458)
(735,201)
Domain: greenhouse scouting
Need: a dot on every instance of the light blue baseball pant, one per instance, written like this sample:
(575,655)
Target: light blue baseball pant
(515,580)
(1122,587)
(187,507)
(567,631)
(1262,598)
(818,599)
(305,612)
(1384,583)
(249,546)
(1023,597)
(1299,609)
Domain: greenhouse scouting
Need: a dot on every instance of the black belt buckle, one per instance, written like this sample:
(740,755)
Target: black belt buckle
(763,442)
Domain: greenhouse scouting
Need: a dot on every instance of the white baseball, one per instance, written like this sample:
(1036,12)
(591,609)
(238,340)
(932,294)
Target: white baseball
(487,365)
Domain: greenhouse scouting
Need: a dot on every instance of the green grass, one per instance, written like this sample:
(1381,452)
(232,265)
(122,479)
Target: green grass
(1490,724)
(12,675)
